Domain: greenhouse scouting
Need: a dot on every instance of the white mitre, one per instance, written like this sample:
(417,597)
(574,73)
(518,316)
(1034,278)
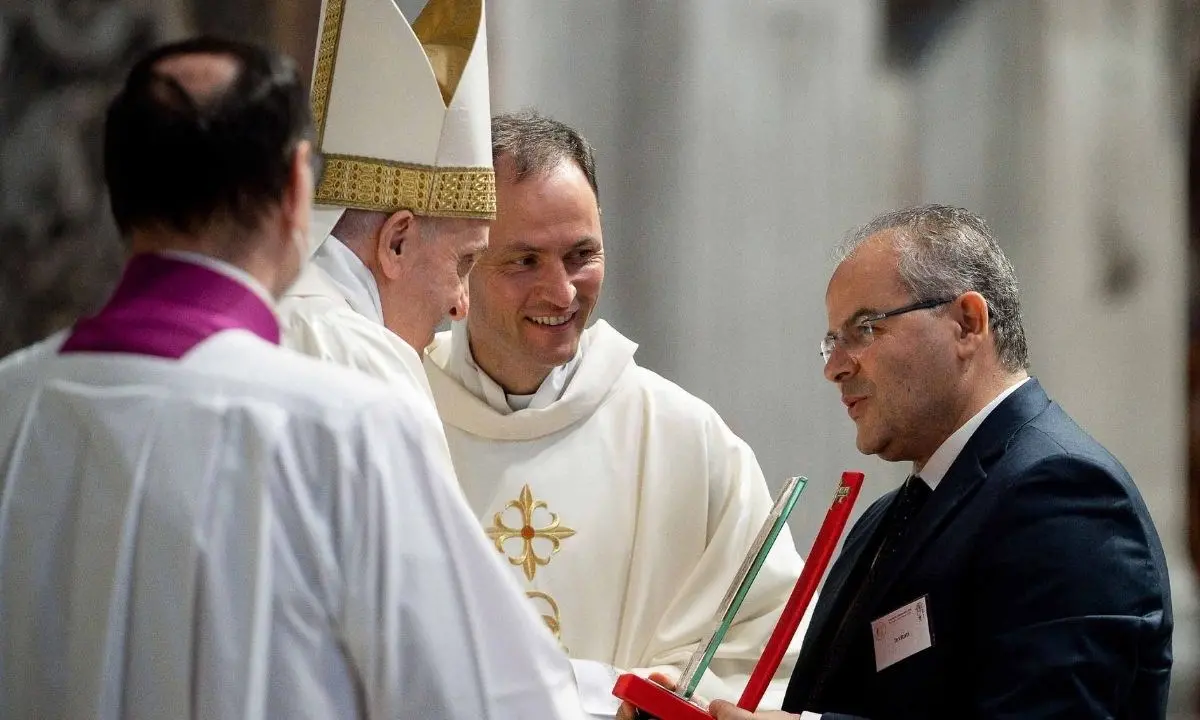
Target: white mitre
(403,114)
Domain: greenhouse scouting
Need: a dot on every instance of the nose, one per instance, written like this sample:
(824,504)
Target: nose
(458,310)
(557,286)
(841,365)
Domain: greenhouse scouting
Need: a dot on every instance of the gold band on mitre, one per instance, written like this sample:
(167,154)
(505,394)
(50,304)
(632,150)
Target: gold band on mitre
(371,184)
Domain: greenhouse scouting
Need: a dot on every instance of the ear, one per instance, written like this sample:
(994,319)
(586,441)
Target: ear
(394,237)
(298,195)
(971,313)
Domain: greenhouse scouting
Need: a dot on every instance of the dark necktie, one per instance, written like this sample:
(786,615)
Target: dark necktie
(909,501)
(904,508)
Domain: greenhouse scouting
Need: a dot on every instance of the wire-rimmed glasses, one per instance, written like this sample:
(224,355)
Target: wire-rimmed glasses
(856,337)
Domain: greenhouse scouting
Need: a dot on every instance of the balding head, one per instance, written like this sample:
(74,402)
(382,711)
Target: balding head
(204,133)
(203,76)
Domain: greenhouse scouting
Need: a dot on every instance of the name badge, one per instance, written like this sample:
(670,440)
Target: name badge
(901,633)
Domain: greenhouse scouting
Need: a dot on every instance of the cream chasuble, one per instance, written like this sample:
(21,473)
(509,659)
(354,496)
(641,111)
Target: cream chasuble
(241,532)
(625,507)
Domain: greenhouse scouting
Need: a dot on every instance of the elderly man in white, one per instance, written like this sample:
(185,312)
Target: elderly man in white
(402,116)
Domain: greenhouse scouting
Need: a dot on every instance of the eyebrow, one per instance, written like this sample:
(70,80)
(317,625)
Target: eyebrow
(586,240)
(859,313)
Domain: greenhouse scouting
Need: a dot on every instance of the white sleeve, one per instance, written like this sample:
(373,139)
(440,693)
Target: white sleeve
(595,681)
(436,627)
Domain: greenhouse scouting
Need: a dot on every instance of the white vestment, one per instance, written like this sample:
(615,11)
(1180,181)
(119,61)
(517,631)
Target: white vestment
(246,533)
(626,507)
(333,313)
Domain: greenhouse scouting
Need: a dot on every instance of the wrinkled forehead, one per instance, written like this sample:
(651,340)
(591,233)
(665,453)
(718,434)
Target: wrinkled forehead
(866,282)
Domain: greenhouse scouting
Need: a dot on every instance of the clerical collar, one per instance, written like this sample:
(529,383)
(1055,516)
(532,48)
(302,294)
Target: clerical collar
(166,304)
(351,277)
(942,458)
(462,366)
(232,272)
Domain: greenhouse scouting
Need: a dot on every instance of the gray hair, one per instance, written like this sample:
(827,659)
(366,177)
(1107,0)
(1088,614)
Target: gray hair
(537,144)
(947,251)
(356,228)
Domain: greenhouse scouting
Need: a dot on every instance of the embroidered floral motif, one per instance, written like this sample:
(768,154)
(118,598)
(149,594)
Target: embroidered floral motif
(528,559)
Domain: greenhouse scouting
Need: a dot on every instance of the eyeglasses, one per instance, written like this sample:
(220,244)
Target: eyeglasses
(855,338)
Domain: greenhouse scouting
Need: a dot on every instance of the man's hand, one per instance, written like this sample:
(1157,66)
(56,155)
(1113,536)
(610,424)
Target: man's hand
(723,710)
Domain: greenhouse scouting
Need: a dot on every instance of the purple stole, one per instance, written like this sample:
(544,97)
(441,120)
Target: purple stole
(165,307)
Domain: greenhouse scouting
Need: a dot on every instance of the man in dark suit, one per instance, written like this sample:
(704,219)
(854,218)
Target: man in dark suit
(1017,573)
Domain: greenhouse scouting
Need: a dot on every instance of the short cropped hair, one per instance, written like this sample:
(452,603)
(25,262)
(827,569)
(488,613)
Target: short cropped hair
(537,144)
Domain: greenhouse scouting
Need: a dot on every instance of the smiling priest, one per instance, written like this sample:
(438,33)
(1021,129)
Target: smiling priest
(624,504)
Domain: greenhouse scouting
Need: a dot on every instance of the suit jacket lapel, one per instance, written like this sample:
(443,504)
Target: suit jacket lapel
(963,478)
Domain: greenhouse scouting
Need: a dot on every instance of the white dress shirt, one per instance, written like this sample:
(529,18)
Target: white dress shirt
(942,458)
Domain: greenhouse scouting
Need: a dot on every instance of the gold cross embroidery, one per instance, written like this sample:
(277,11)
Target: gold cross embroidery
(528,560)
